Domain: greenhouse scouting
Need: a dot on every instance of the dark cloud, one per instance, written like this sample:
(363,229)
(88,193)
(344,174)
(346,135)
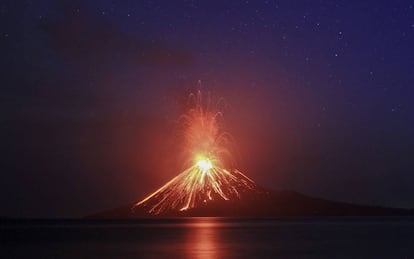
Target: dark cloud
(92,42)
(74,126)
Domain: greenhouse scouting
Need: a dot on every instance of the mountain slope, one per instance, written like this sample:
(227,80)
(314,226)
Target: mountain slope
(197,187)
(264,204)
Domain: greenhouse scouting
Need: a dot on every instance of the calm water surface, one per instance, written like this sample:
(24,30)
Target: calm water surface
(209,238)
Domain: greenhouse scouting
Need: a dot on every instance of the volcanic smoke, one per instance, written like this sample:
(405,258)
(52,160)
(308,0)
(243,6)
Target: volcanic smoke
(211,174)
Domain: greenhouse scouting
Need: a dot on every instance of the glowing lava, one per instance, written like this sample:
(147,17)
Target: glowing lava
(210,175)
(204,164)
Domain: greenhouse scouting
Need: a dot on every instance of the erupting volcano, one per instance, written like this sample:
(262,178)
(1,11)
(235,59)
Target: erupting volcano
(211,174)
(211,184)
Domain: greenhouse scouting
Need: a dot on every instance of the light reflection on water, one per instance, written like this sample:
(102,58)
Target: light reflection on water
(210,238)
(203,241)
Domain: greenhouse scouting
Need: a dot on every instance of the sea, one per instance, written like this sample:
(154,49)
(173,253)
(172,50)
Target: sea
(329,237)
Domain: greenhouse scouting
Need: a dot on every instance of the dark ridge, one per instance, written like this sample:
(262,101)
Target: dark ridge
(263,203)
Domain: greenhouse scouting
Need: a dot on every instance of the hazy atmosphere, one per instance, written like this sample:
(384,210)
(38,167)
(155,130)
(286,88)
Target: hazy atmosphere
(319,97)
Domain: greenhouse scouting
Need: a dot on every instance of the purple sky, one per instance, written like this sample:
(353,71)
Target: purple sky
(319,92)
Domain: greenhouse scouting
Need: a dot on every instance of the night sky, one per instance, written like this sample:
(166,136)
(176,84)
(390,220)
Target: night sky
(320,97)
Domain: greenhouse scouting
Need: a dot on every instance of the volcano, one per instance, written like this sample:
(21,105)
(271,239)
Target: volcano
(197,187)
(211,175)
(213,186)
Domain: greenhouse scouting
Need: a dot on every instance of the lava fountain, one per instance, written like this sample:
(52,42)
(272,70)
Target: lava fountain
(211,173)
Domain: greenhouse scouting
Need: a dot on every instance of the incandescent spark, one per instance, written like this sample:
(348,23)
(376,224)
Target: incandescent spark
(211,174)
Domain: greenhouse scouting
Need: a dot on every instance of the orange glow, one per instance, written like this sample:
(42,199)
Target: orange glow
(211,175)
(204,241)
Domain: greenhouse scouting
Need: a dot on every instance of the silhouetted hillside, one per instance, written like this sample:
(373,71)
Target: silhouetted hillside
(265,204)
